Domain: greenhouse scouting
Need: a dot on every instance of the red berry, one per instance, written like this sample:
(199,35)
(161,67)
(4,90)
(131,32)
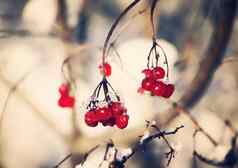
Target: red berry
(168,91)
(105,69)
(90,119)
(66,101)
(122,121)
(110,122)
(148,73)
(147,84)
(64,89)
(158,73)
(117,108)
(103,113)
(159,88)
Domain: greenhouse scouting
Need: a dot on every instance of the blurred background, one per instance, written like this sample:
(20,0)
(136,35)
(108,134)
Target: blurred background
(36,36)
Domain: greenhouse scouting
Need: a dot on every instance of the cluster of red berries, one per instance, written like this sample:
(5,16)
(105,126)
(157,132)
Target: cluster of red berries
(105,69)
(65,99)
(110,115)
(154,84)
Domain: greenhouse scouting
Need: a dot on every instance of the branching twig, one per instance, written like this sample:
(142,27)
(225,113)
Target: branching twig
(118,162)
(158,135)
(230,159)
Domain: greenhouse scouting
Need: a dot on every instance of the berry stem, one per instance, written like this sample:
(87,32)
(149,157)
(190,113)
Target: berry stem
(105,89)
(152,11)
(165,58)
(105,46)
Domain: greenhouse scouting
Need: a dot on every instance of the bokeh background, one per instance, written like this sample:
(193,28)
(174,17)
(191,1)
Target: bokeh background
(36,36)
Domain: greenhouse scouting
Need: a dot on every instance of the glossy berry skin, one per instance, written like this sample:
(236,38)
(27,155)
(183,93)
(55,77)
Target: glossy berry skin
(117,108)
(148,73)
(64,89)
(122,121)
(147,84)
(106,69)
(159,88)
(66,101)
(90,119)
(158,73)
(103,113)
(168,91)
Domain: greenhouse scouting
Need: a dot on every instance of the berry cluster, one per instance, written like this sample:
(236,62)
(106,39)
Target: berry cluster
(154,84)
(155,74)
(65,99)
(110,115)
(105,69)
(109,111)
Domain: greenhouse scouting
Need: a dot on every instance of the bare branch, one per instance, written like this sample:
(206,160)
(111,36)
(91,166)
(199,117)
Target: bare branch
(213,55)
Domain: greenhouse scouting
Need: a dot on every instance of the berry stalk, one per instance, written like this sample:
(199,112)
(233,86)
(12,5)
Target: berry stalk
(105,46)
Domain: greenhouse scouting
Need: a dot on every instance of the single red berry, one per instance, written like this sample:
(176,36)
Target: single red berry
(90,119)
(148,73)
(147,84)
(168,91)
(66,101)
(105,69)
(159,88)
(103,113)
(158,73)
(122,121)
(64,89)
(110,122)
(117,108)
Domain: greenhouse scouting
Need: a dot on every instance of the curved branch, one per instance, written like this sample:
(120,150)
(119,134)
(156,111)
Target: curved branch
(214,54)
(114,27)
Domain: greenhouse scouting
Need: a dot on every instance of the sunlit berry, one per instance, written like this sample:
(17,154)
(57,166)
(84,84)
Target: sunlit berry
(64,89)
(147,84)
(158,72)
(106,69)
(169,90)
(148,73)
(122,121)
(66,101)
(103,113)
(159,88)
(90,119)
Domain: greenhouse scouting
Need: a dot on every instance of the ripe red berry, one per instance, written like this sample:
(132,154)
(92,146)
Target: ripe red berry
(147,84)
(122,121)
(117,108)
(103,113)
(158,73)
(148,73)
(64,89)
(159,88)
(91,119)
(66,101)
(105,69)
(169,90)
(110,122)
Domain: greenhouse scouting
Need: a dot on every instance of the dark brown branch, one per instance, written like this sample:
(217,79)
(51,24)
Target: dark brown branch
(62,14)
(214,54)
(149,139)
